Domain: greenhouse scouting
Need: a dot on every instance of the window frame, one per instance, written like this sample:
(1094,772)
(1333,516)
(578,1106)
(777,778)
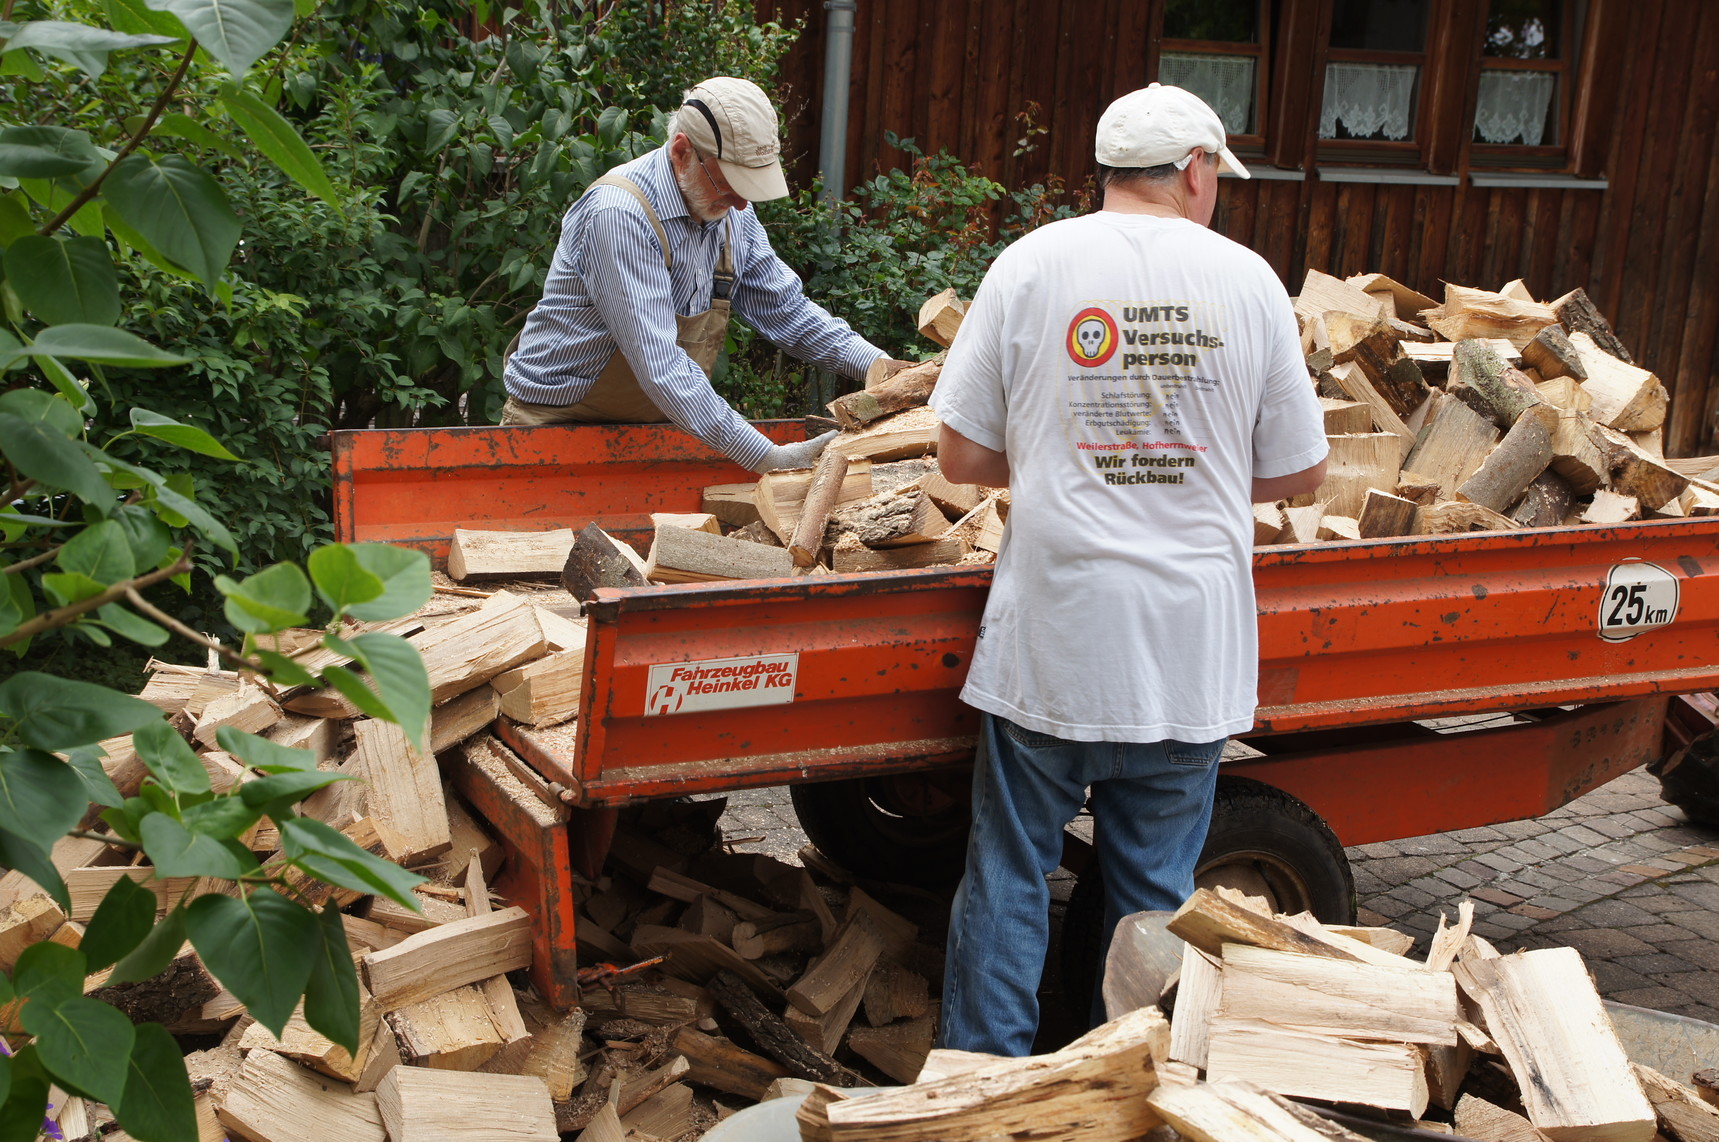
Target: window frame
(1537,157)
(1416,151)
(1260,51)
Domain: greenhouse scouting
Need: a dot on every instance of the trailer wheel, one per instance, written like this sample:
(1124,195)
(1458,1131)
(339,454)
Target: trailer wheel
(906,828)
(1689,772)
(1262,841)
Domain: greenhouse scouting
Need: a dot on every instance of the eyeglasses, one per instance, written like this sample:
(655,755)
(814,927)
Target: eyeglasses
(702,159)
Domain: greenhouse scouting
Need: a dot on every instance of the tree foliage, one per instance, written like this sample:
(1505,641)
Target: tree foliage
(92,517)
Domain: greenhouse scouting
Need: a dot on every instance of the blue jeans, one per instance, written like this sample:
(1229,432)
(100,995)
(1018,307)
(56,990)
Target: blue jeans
(1151,804)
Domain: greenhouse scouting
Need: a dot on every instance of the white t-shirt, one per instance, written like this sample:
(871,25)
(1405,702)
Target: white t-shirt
(1139,372)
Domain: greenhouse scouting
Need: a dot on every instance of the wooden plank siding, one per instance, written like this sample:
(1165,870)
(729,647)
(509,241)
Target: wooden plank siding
(955,75)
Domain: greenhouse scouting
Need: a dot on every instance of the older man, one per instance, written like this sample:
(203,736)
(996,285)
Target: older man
(1136,380)
(652,258)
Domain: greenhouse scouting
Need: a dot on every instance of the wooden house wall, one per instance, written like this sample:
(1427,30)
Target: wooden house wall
(953,75)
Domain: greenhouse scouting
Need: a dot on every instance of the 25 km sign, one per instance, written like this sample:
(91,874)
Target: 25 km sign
(1637,597)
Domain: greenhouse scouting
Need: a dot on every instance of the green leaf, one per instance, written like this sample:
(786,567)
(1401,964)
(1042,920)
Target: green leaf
(263,754)
(332,856)
(284,671)
(167,755)
(130,626)
(14,217)
(34,404)
(22,1114)
(276,138)
(178,125)
(50,973)
(261,948)
(405,576)
(98,786)
(5,1076)
(341,579)
(59,713)
(100,551)
(45,152)
(399,677)
(34,862)
(187,436)
(273,599)
(62,379)
(157,1102)
(177,851)
(134,16)
(130,239)
(148,537)
(80,45)
(223,818)
(121,922)
(331,997)
(84,1043)
(440,128)
(178,207)
(65,588)
(40,796)
(611,126)
(236,32)
(151,957)
(101,345)
(65,280)
(280,790)
(48,457)
(351,684)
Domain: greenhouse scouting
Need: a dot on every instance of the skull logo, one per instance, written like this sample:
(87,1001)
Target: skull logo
(1091,333)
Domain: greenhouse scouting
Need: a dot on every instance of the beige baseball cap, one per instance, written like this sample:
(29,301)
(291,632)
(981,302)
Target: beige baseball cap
(732,120)
(1157,125)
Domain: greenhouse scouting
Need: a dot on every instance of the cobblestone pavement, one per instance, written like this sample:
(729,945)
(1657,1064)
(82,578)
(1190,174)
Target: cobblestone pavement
(1617,874)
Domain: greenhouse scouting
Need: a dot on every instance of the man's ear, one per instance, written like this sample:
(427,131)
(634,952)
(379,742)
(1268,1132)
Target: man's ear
(1197,171)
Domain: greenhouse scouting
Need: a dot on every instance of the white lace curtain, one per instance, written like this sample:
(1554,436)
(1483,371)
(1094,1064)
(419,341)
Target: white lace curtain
(1224,81)
(1371,100)
(1514,106)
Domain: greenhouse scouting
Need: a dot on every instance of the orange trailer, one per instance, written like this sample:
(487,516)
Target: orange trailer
(1568,642)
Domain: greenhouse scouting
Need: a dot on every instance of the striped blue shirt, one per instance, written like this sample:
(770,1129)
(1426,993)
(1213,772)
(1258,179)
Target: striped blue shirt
(608,289)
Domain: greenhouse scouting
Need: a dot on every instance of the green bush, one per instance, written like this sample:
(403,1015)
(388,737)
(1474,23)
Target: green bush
(90,522)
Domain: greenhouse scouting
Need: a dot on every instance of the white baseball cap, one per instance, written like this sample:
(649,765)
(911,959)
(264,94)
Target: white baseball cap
(732,120)
(1157,125)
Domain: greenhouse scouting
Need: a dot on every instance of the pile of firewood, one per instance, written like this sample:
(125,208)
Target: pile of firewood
(1269,1008)
(757,975)
(435,992)
(1434,428)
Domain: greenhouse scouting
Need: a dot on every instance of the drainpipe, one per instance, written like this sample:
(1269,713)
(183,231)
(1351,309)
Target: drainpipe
(838,67)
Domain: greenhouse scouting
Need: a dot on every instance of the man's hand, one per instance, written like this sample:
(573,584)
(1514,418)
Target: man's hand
(803,454)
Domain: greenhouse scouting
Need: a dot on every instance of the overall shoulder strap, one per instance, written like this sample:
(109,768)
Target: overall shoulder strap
(722,281)
(627,184)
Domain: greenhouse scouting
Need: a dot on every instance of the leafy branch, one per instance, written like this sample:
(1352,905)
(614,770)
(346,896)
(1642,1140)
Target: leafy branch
(83,197)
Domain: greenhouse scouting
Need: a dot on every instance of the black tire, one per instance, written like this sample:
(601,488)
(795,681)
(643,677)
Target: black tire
(908,828)
(1689,778)
(1261,841)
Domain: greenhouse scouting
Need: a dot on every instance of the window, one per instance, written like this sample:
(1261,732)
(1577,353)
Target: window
(1214,48)
(1373,71)
(1522,107)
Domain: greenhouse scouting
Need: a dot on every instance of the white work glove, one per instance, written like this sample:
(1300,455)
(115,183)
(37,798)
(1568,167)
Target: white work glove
(802,454)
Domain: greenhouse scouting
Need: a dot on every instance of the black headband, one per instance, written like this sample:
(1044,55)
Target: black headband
(708,118)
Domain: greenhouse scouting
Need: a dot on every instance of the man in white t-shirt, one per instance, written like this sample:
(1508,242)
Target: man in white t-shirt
(1136,380)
